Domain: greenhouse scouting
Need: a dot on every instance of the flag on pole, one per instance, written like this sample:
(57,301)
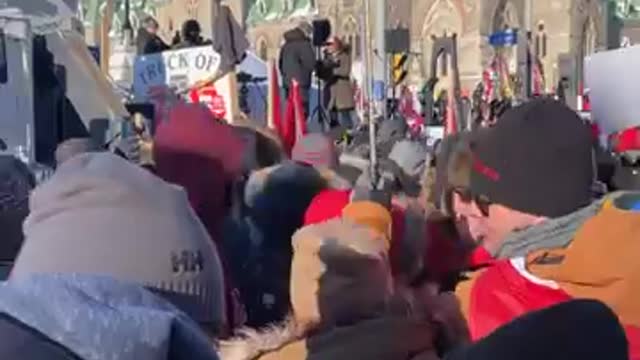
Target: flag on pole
(295,122)
(274,120)
(288,132)
(301,120)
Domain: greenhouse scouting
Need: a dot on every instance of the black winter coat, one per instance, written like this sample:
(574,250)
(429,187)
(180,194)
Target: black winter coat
(148,43)
(297,58)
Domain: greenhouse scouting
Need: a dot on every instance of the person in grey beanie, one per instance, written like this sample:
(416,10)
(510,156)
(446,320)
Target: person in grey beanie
(101,215)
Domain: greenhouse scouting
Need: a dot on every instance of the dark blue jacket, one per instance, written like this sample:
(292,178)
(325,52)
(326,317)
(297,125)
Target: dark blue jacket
(52,317)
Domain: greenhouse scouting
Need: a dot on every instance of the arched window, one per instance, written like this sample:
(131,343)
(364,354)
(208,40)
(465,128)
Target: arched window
(442,19)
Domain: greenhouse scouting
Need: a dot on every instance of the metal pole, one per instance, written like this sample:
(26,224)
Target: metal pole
(373,153)
(127,28)
(105,40)
(527,21)
(381,66)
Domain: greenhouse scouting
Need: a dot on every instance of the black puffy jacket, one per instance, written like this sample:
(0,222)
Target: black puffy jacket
(297,58)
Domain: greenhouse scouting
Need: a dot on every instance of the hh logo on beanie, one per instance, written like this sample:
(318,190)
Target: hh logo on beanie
(187,261)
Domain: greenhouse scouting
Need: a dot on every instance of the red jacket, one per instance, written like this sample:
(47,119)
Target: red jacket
(599,263)
(502,293)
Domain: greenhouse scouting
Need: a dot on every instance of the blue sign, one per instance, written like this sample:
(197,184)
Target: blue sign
(378,90)
(508,37)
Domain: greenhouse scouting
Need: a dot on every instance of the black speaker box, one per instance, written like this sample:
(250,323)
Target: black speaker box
(397,41)
(321,32)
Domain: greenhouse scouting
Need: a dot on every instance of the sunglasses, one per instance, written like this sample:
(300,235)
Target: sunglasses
(481,201)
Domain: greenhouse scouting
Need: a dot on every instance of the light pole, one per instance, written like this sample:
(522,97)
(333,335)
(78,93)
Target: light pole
(369,80)
(527,24)
(127,29)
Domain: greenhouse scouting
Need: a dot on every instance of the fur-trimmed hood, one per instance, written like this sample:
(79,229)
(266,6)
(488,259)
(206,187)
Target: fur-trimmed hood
(388,338)
(252,344)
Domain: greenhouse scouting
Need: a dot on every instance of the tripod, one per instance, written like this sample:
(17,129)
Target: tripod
(319,111)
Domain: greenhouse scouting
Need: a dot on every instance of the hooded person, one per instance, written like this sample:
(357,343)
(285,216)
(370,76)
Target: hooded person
(341,291)
(16,182)
(83,317)
(319,151)
(534,211)
(298,61)
(275,201)
(203,156)
(119,220)
(403,228)
(191,36)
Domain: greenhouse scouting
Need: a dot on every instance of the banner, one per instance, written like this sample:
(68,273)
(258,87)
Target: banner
(613,80)
(179,72)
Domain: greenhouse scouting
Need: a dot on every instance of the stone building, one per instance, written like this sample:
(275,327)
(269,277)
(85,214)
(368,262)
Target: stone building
(562,30)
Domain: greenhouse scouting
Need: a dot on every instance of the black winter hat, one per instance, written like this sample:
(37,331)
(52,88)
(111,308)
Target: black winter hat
(538,159)
(580,329)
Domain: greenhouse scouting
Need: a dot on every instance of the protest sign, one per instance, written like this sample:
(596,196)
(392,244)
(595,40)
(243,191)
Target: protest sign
(180,72)
(613,80)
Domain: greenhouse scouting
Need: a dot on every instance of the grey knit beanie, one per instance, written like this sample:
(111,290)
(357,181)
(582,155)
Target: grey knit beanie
(73,147)
(101,215)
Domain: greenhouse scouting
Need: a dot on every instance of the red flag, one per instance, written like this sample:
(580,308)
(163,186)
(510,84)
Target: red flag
(288,130)
(275,104)
(301,121)
(295,122)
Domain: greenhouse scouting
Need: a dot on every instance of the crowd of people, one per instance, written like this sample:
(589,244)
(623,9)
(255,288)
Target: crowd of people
(221,245)
(205,240)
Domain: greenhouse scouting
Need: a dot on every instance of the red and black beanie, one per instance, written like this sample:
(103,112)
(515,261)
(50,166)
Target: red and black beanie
(538,159)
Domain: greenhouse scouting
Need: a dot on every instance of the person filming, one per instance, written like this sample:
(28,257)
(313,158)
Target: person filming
(335,70)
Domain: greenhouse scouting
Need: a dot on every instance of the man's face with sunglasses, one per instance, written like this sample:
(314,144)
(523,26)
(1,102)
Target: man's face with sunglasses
(488,223)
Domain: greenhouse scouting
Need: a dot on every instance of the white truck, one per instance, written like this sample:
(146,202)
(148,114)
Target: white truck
(39,89)
(17,134)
